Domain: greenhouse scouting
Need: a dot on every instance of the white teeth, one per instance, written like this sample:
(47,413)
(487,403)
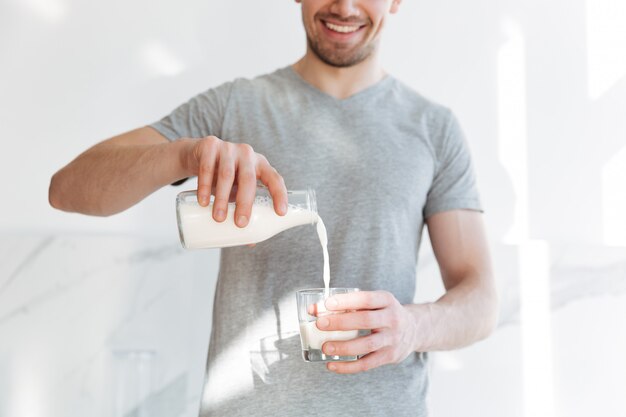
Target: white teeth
(341,29)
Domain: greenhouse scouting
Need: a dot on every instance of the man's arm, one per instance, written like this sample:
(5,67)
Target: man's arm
(466,313)
(119,172)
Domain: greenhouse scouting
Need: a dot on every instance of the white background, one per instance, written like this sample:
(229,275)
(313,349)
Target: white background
(539,87)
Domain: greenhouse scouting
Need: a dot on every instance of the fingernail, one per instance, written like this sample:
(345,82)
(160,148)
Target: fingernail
(220,214)
(323,322)
(203,200)
(332,367)
(283,207)
(329,348)
(331,303)
(242,221)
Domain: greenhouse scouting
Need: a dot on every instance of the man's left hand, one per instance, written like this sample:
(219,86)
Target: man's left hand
(392,325)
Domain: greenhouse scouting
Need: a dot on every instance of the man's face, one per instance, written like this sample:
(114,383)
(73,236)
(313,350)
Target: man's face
(343,33)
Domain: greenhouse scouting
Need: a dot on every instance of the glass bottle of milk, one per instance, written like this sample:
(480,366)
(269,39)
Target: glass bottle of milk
(198,229)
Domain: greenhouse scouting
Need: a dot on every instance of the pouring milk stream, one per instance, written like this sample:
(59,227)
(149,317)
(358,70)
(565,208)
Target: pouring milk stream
(198,229)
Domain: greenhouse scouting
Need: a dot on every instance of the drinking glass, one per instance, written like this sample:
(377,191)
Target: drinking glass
(310,307)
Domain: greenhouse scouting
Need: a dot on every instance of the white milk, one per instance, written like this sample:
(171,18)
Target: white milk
(314,338)
(323,236)
(200,230)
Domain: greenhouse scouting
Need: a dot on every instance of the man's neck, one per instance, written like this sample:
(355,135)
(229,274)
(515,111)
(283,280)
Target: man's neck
(339,82)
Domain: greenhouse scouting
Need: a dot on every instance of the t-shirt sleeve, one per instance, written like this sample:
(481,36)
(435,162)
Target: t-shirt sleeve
(454,182)
(201,116)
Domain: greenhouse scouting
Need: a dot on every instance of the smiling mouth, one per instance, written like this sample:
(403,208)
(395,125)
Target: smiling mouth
(342,28)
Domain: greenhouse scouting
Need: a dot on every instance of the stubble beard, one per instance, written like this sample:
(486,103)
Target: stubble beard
(338,58)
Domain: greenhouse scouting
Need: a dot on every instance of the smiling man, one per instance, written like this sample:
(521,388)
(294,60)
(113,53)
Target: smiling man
(384,162)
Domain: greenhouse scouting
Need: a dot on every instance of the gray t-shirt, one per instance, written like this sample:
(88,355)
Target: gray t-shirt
(380,162)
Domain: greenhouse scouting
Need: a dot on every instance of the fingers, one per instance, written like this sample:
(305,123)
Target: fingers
(225,179)
(246,184)
(367,362)
(360,300)
(274,182)
(318,309)
(206,154)
(358,346)
(219,163)
(358,320)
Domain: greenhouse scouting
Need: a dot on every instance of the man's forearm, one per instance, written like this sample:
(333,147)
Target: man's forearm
(110,177)
(466,314)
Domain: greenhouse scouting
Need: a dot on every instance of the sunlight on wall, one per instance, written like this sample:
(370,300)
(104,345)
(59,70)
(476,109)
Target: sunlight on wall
(614,199)
(52,11)
(535,318)
(606,45)
(29,396)
(534,256)
(161,61)
(447,361)
(512,135)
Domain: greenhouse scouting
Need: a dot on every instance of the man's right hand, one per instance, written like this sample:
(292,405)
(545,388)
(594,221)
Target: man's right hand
(119,172)
(220,165)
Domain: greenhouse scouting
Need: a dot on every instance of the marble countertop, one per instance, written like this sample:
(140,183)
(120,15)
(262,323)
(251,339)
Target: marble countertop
(121,325)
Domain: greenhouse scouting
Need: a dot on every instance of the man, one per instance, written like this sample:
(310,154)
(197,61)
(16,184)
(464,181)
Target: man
(383,161)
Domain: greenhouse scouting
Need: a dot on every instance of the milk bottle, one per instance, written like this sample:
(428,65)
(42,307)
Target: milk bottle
(198,229)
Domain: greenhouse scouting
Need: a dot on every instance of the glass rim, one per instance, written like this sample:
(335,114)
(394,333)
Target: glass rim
(322,290)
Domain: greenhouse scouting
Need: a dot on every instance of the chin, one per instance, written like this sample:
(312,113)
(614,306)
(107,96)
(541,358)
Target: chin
(339,60)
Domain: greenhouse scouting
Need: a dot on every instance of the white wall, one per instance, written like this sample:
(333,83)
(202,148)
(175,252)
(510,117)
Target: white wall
(74,73)
(540,88)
